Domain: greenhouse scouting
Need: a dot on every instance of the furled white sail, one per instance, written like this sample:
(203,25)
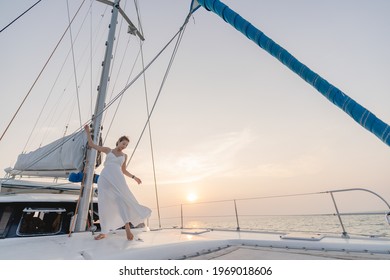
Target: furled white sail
(61,156)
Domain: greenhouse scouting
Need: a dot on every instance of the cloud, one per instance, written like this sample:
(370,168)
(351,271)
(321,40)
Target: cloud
(294,167)
(299,166)
(205,159)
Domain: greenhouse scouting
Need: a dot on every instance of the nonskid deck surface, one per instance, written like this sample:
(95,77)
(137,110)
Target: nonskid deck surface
(259,253)
(180,244)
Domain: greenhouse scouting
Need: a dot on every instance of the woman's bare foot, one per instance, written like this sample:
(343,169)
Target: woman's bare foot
(130,236)
(100,236)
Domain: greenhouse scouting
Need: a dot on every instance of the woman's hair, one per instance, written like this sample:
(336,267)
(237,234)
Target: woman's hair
(121,139)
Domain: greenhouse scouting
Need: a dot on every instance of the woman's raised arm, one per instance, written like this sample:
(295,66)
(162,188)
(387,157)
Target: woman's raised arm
(92,144)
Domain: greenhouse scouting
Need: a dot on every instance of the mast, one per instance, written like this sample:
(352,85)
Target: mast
(86,190)
(360,114)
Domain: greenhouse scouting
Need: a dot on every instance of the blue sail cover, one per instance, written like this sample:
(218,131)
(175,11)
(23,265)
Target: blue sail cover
(360,114)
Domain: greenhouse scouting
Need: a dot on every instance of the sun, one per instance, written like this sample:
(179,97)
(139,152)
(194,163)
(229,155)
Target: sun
(192,197)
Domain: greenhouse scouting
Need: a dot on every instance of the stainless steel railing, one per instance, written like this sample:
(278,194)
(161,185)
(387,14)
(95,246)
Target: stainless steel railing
(238,217)
(344,233)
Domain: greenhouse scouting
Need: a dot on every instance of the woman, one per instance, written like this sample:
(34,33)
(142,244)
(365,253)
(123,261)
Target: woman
(117,204)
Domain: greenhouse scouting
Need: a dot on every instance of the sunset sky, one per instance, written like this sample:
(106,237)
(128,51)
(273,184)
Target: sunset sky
(231,121)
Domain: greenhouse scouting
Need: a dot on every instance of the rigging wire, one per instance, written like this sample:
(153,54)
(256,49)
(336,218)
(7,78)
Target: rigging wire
(83,54)
(114,60)
(80,130)
(179,34)
(121,98)
(91,202)
(112,101)
(92,51)
(149,123)
(91,83)
(148,110)
(74,63)
(40,73)
(51,92)
(41,112)
(8,25)
(91,61)
(116,50)
(128,79)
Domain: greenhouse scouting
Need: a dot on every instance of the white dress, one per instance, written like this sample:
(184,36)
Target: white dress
(117,204)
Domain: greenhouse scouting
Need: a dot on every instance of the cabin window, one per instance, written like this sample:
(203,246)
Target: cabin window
(40,221)
(5,217)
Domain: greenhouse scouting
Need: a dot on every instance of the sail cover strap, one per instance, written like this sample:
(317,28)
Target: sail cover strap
(360,114)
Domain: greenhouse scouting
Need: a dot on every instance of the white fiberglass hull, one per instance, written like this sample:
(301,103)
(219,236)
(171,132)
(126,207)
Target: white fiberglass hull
(178,244)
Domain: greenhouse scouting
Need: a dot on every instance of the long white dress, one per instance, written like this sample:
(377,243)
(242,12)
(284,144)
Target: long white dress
(117,204)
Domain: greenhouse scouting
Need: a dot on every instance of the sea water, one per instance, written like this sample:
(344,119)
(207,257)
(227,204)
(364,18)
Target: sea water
(369,225)
(314,213)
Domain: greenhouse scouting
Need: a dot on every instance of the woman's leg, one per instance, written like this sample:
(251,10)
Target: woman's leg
(129,234)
